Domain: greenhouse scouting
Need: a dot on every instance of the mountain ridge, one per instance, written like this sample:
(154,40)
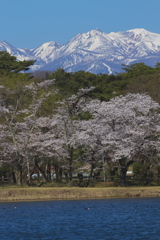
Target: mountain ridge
(94,51)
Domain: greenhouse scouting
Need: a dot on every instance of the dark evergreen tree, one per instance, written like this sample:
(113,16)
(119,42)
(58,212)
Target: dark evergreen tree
(9,64)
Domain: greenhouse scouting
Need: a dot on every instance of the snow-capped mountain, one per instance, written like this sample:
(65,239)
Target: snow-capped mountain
(94,51)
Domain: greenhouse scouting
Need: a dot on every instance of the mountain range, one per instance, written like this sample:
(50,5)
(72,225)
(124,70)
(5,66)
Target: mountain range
(94,51)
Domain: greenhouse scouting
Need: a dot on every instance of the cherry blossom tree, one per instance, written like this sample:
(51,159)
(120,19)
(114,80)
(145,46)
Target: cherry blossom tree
(18,122)
(121,129)
(58,140)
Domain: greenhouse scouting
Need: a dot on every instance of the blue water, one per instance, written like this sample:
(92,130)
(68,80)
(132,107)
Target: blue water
(84,219)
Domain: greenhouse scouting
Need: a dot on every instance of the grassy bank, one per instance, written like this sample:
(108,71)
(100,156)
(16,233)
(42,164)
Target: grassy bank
(31,194)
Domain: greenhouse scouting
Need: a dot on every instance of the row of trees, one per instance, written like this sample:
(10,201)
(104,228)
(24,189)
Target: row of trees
(66,124)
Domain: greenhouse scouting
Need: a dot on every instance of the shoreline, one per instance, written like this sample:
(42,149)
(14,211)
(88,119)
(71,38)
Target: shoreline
(75,193)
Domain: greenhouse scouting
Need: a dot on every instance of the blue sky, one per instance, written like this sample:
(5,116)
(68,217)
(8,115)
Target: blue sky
(30,23)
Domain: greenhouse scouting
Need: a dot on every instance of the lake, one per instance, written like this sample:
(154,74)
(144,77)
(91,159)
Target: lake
(113,219)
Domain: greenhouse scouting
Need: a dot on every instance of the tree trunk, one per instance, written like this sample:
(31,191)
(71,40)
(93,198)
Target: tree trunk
(58,171)
(18,169)
(124,165)
(80,176)
(66,176)
(60,174)
(70,182)
(41,169)
(18,177)
(123,176)
(90,175)
(13,177)
(48,171)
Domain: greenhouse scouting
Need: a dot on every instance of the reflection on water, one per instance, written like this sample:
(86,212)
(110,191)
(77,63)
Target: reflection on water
(111,219)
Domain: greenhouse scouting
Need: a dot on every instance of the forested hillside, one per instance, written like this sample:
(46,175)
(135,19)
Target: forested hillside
(80,123)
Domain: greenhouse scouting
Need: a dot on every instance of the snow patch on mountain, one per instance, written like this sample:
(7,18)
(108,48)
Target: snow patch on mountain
(94,51)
